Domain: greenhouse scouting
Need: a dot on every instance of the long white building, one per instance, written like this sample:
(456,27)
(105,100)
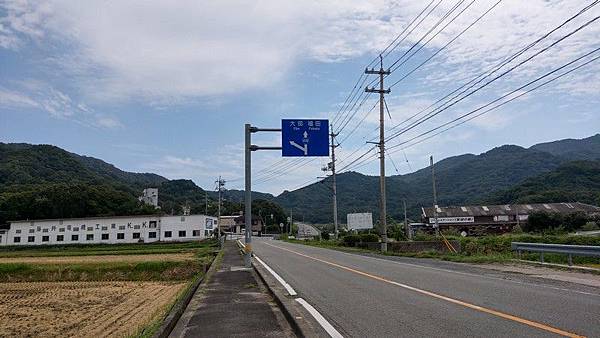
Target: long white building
(109,230)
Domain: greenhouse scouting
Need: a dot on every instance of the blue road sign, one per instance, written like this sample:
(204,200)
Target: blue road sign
(300,138)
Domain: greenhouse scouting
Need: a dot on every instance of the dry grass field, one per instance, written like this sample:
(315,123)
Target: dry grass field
(82,309)
(97,290)
(171,257)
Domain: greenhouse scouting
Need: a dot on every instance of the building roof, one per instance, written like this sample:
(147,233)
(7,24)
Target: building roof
(510,209)
(98,217)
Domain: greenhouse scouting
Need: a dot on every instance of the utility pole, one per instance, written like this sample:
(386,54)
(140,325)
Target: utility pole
(206,203)
(382,203)
(291,221)
(220,184)
(335,213)
(435,205)
(405,220)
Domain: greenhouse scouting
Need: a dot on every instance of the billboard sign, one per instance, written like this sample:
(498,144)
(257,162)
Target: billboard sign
(303,138)
(209,224)
(360,221)
(469,219)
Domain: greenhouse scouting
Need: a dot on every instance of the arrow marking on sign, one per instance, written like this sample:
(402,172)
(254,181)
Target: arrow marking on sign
(305,134)
(304,149)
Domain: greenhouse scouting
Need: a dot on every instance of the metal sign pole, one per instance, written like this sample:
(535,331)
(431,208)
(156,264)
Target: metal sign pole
(248,198)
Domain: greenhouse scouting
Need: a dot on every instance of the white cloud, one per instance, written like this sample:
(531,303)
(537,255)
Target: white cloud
(39,96)
(169,51)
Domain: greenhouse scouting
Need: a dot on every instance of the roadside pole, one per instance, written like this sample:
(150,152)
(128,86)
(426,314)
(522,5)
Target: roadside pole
(248,149)
(248,199)
(435,205)
(382,195)
(335,213)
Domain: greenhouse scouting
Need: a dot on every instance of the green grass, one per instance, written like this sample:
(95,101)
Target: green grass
(166,270)
(486,249)
(107,249)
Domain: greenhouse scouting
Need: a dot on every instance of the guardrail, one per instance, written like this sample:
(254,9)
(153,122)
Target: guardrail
(570,250)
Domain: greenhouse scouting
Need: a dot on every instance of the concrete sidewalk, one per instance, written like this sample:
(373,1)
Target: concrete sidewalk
(232,303)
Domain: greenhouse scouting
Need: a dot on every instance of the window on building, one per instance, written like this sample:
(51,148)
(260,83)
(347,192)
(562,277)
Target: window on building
(38,228)
(90,228)
(89,237)
(104,228)
(82,227)
(104,237)
(45,230)
(69,227)
(45,238)
(152,234)
(152,224)
(136,226)
(61,229)
(75,229)
(183,218)
(121,235)
(31,231)
(196,233)
(17,239)
(31,239)
(182,233)
(206,233)
(121,227)
(18,231)
(113,226)
(60,238)
(74,237)
(167,234)
(136,235)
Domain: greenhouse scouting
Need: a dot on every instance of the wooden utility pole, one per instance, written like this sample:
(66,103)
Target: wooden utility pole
(335,213)
(435,205)
(382,198)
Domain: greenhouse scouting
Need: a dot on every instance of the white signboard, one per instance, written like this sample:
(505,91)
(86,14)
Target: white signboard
(360,221)
(209,224)
(469,219)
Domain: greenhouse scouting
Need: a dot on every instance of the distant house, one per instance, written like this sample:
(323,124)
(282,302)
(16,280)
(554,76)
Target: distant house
(496,218)
(236,224)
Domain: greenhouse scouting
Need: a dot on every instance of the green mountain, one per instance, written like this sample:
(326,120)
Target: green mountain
(572,149)
(44,181)
(572,181)
(460,180)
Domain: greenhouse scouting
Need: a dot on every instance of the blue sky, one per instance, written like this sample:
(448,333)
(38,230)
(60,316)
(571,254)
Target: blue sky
(166,87)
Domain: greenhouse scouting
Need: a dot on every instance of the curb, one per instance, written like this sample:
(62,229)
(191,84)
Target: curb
(302,322)
(170,321)
(561,266)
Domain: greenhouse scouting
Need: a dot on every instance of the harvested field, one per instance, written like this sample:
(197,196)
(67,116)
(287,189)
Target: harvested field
(175,257)
(82,309)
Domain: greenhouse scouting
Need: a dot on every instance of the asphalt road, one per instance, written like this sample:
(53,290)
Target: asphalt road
(363,296)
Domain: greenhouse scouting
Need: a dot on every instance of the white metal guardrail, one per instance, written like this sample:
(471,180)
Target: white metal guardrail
(570,250)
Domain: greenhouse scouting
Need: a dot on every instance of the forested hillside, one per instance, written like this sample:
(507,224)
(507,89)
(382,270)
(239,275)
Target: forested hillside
(573,181)
(465,179)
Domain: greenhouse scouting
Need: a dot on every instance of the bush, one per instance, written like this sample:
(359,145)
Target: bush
(554,222)
(365,238)
(325,235)
(351,240)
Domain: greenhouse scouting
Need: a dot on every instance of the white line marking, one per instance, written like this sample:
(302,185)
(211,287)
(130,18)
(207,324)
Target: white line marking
(366,258)
(288,287)
(319,318)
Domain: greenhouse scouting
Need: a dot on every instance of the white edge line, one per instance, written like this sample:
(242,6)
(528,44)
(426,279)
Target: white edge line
(319,318)
(367,257)
(288,287)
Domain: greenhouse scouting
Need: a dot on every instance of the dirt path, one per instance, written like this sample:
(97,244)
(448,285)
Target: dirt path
(178,257)
(82,309)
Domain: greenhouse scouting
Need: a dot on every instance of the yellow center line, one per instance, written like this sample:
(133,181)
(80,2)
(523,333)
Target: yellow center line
(438,296)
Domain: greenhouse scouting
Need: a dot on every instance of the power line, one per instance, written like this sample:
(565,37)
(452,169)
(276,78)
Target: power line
(476,80)
(507,95)
(448,43)
(439,110)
